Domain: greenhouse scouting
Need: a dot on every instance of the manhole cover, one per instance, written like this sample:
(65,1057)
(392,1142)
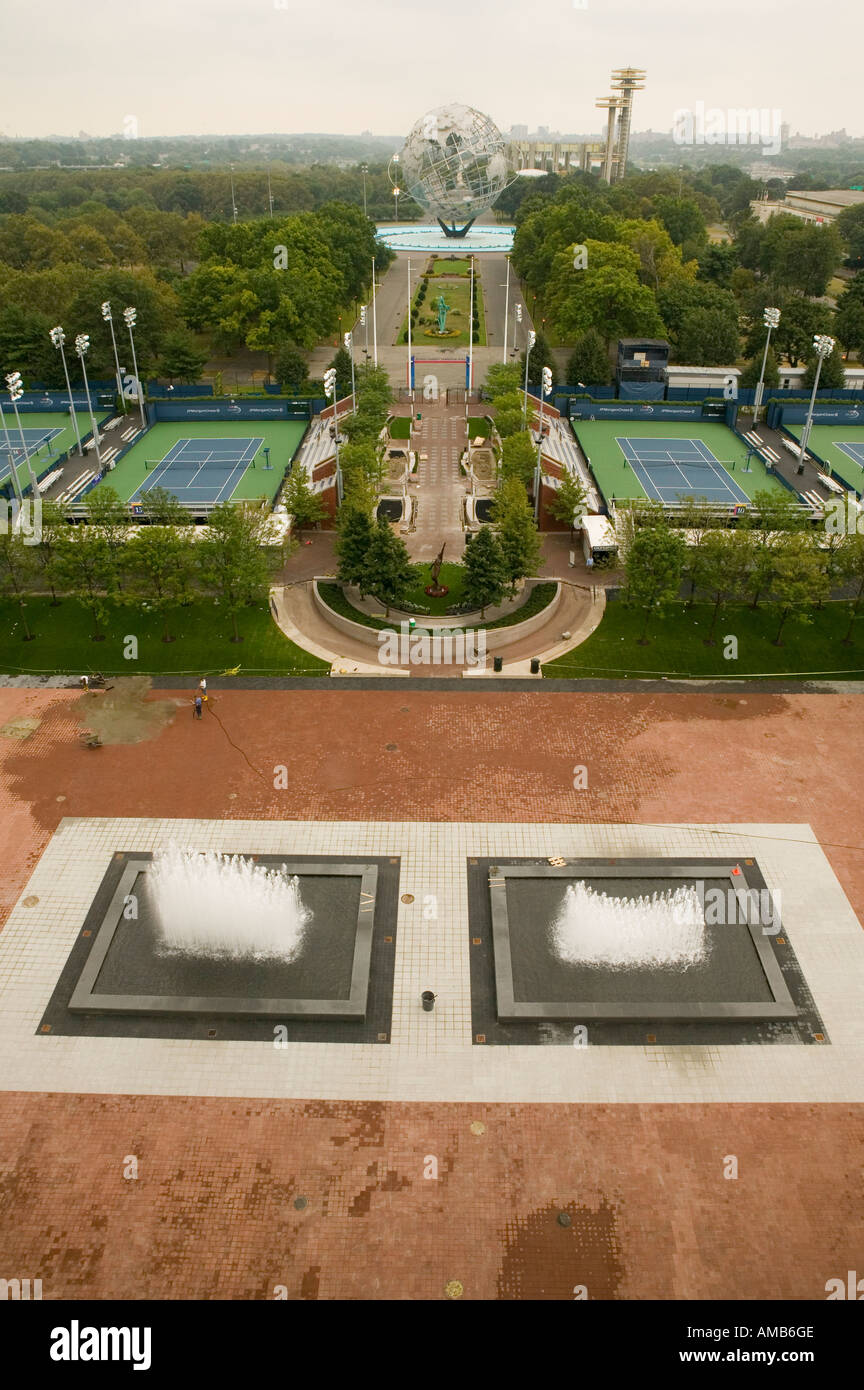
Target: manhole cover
(392,748)
(405,710)
(300,1203)
(565,1219)
(454,1289)
(31,901)
(407,897)
(478,1127)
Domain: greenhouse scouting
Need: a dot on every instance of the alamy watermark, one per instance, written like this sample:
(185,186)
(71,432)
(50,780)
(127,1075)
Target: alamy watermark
(752,907)
(735,126)
(418,646)
(22,518)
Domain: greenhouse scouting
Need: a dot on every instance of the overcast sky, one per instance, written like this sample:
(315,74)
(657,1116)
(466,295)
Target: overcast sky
(231,66)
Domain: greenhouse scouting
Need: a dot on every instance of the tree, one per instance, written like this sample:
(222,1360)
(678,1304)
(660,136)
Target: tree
(160,507)
(361,459)
(485,571)
(800,578)
(304,505)
(507,413)
(232,562)
(517,531)
(352,545)
(342,363)
(850,225)
(519,457)
(708,338)
(851,566)
(849,320)
(502,378)
(683,220)
(568,500)
(653,564)
(48,551)
(86,567)
(17,567)
(833,372)
(752,369)
(589,363)
(160,562)
(110,517)
(718,572)
(388,572)
(291,368)
(541,356)
(180,359)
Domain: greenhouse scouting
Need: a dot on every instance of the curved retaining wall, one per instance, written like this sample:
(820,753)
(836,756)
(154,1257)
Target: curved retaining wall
(496,637)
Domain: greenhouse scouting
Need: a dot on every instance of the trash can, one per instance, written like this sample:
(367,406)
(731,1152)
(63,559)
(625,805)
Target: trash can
(427,998)
(535,665)
(497,663)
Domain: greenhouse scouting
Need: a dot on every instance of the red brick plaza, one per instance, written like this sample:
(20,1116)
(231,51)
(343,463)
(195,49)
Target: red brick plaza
(216,1211)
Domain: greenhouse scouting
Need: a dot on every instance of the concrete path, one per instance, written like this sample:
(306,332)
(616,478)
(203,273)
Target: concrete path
(439,441)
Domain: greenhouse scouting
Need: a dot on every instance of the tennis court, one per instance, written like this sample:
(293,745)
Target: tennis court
(204,464)
(46,435)
(840,447)
(667,462)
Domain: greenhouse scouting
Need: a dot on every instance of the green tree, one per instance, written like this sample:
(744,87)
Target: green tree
(232,563)
(388,572)
(48,551)
(850,225)
(516,530)
(851,565)
(180,359)
(87,571)
(291,368)
(568,500)
(752,369)
(541,356)
(17,571)
(833,372)
(485,571)
(110,517)
(160,562)
(304,505)
(502,378)
(708,338)
(718,573)
(800,579)
(507,413)
(342,363)
(653,564)
(352,545)
(519,458)
(589,361)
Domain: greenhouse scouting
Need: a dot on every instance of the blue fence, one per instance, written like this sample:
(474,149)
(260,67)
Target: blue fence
(232,410)
(779,415)
(32,401)
(622,410)
(642,391)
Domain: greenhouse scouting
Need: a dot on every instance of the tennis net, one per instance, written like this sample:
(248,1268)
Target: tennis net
(188,465)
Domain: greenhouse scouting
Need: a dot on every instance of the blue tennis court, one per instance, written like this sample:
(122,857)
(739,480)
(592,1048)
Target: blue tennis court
(202,470)
(33,439)
(669,469)
(854,451)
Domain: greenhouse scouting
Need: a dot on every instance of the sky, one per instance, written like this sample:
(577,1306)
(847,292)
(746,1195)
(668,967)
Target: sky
(242,66)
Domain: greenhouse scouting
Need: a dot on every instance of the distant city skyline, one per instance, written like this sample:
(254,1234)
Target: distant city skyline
(275,66)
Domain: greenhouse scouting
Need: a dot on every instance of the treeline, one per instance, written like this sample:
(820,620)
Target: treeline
(158,568)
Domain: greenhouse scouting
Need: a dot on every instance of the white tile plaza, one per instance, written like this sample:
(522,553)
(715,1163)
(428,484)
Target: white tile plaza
(431,1056)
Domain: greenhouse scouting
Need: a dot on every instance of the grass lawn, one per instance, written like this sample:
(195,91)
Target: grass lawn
(451,575)
(677,645)
(541,595)
(459,265)
(479,427)
(457,294)
(63,642)
(400,427)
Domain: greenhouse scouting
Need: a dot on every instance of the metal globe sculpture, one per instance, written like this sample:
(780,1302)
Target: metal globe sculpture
(454,163)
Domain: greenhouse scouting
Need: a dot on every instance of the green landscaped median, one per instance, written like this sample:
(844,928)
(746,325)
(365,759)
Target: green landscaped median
(63,642)
(400,427)
(676,645)
(540,597)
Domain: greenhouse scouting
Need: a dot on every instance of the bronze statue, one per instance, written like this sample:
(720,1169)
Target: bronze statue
(436,590)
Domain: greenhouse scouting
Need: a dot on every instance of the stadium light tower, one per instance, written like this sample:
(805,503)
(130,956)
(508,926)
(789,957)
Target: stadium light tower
(349,348)
(16,390)
(823,346)
(58,338)
(770,318)
(545,390)
(518,315)
(109,319)
(364,323)
(330,391)
(532,338)
(130,316)
(82,347)
(13,472)
(396,189)
(506,310)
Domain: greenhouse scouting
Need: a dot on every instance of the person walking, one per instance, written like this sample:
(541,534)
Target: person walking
(199,706)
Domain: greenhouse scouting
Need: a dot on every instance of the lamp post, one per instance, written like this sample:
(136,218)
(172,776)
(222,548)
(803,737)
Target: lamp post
(506,310)
(410,384)
(16,390)
(349,348)
(532,338)
(109,319)
(330,391)
(374,316)
(823,346)
(545,390)
(130,315)
(364,323)
(396,189)
(518,313)
(13,472)
(770,318)
(58,338)
(82,347)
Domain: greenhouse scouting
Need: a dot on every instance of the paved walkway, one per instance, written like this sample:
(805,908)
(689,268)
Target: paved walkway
(440,483)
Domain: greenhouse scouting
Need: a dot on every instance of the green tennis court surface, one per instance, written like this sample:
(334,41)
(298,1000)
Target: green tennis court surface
(841,447)
(47,434)
(220,461)
(667,461)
